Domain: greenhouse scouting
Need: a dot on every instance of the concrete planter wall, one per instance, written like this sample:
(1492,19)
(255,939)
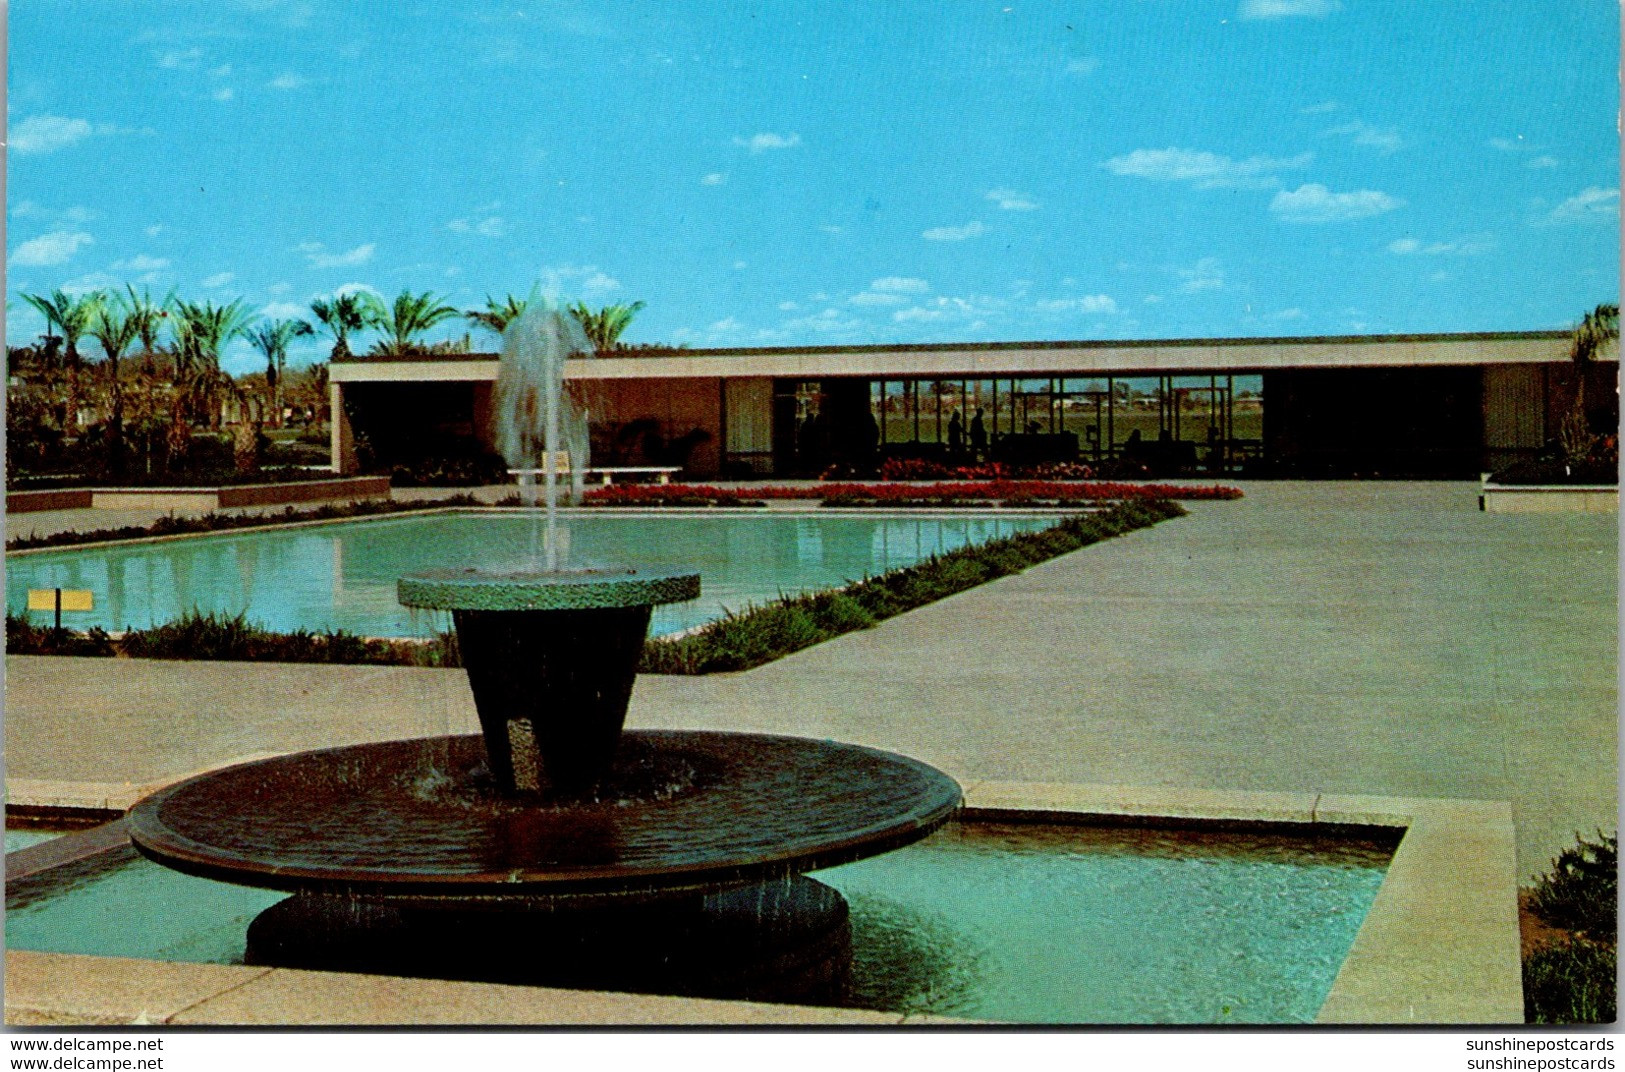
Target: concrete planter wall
(1549,498)
(346,489)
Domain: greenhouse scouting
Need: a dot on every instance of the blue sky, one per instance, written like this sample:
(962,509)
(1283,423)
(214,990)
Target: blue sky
(831,173)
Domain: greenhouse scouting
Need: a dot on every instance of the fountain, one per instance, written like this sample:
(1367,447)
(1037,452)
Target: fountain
(555,847)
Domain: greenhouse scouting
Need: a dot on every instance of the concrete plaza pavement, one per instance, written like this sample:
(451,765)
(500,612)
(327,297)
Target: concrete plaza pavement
(1366,638)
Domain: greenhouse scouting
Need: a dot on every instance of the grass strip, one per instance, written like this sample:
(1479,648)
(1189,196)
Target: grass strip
(761,634)
(739,641)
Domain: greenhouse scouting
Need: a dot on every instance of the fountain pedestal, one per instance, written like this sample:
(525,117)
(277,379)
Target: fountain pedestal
(551,659)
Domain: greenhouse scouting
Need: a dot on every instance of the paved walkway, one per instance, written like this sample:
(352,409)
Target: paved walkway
(1376,638)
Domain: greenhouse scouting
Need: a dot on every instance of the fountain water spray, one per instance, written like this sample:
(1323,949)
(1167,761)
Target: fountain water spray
(538,423)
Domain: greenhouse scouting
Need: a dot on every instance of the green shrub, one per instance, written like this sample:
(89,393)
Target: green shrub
(1570,982)
(1581,893)
(761,634)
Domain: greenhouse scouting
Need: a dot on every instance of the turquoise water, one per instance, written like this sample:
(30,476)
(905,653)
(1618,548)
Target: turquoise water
(342,576)
(1030,924)
(1011,923)
(22,839)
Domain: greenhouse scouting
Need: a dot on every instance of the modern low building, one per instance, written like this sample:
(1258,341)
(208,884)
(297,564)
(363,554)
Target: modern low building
(1447,405)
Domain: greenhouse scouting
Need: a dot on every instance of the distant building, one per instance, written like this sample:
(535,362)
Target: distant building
(1447,405)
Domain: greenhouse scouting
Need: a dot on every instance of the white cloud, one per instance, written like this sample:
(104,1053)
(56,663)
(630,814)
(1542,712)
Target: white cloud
(715,178)
(181,59)
(1508,145)
(1592,203)
(972,312)
(224,93)
(1088,303)
(1385,140)
(1286,9)
(828,322)
(788,306)
(154,231)
(869,297)
(954,234)
(896,284)
(58,247)
(588,280)
(757,143)
(357,288)
(141,263)
(219,279)
(317,254)
(1542,161)
(1084,65)
(48,133)
(1314,203)
(288,81)
(87,283)
(286,311)
(490,227)
(725,325)
(740,266)
(1288,314)
(280,288)
(1203,169)
(1011,200)
(221,71)
(1462,247)
(1205,274)
(1320,109)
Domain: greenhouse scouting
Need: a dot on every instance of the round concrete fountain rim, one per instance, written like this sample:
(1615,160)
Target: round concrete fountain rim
(780,808)
(475,589)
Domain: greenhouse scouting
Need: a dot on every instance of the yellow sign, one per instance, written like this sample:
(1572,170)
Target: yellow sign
(72,599)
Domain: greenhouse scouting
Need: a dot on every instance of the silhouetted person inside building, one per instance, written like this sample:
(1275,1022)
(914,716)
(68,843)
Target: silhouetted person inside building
(956,435)
(978,435)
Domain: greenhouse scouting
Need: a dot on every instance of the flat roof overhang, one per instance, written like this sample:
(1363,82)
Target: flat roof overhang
(1020,359)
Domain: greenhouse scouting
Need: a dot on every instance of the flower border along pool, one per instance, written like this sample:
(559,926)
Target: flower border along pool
(1439,944)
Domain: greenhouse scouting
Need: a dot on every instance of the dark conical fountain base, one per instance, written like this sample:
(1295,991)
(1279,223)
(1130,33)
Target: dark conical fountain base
(551,688)
(551,659)
(785,941)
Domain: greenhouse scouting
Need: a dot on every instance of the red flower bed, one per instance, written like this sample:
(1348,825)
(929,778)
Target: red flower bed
(1007,491)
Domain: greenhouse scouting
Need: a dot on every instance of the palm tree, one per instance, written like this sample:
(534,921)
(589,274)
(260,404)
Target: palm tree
(496,316)
(409,315)
(342,314)
(604,327)
(1595,330)
(203,329)
(272,340)
(71,316)
(116,325)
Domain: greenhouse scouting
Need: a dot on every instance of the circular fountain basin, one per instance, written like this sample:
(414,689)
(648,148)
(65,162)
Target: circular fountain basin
(580,589)
(680,812)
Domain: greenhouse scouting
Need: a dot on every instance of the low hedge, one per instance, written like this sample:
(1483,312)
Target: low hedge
(957,493)
(738,641)
(761,634)
(1573,980)
(231,638)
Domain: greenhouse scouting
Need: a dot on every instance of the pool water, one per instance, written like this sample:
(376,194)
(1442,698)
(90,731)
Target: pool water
(22,838)
(1024,924)
(342,576)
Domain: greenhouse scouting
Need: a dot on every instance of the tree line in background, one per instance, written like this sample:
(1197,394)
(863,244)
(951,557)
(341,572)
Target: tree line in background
(154,402)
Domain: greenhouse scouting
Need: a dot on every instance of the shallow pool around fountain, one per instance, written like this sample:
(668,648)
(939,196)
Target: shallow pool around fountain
(1017,923)
(343,575)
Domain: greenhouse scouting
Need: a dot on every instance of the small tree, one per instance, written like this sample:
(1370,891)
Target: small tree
(604,326)
(343,314)
(496,316)
(116,327)
(272,340)
(1595,330)
(71,316)
(408,316)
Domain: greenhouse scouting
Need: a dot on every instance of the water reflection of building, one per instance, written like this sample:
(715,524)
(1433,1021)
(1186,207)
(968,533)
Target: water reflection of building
(1419,405)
